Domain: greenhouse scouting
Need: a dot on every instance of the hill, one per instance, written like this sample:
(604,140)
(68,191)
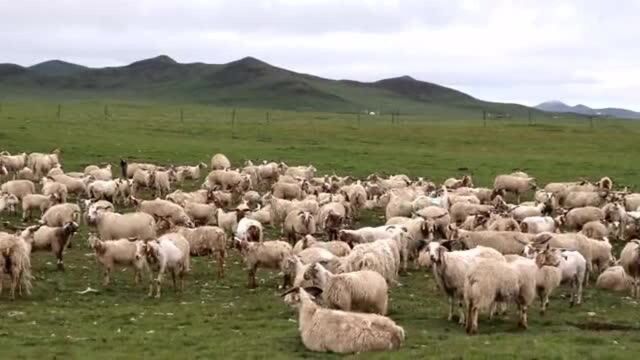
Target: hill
(248,82)
(560,107)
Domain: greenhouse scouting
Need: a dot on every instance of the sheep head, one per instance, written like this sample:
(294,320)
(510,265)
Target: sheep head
(548,257)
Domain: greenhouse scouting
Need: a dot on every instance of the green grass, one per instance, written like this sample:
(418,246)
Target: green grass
(216,319)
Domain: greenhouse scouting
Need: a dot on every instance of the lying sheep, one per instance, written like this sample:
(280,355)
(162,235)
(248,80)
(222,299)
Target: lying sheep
(19,188)
(297,224)
(110,253)
(630,261)
(344,332)
(169,252)
(538,224)
(51,238)
(220,162)
(450,269)
(514,184)
(364,291)
(268,254)
(61,214)
(489,281)
(614,279)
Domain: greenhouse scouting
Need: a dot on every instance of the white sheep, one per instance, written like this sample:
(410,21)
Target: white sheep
(13,163)
(506,242)
(630,261)
(572,265)
(9,202)
(15,261)
(267,254)
(200,214)
(548,278)
(164,209)
(538,224)
(73,185)
(249,230)
(19,188)
(113,226)
(337,248)
(514,184)
(614,279)
(124,252)
(162,181)
(206,240)
(220,162)
(97,173)
(60,214)
(299,223)
(52,187)
(50,238)
(577,217)
(103,190)
(262,214)
(339,331)
(169,252)
(189,172)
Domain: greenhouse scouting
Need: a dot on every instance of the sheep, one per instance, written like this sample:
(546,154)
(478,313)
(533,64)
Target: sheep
(252,198)
(364,290)
(381,256)
(363,235)
(304,172)
(460,211)
(60,214)
(268,254)
(26,174)
(538,224)
(249,230)
(129,169)
(180,197)
(614,279)
(572,265)
(160,208)
(577,217)
(15,261)
(73,185)
(331,218)
(548,278)
(630,261)
(162,181)
(343,332)
(205,240)
(514,184)
(450,268)
(262,214)
(289,191)
(571,242)
(228,179)
(124,191)
(19,188)
(42,163)
(220,162)
(113,226)
(632,201)
(438,219)
(577,199)
(595,230)
(401,206)
(103,190)
(52,187)
(299,223)
(506,242)
(521,212)
(200,214)
(189,172)
(13,163)
(228,221)
(168,252)
(9,201)
(104,174)
(52,238)
(490,281)
(337,248)
(118,252)
(453,183)
(601,254)
(501,223)
(295,266)
(142,179)
(418,229)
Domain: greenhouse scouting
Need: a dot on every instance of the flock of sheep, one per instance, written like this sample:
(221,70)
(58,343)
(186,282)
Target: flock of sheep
(484,252)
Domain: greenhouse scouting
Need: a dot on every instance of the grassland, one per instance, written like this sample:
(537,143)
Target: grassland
(223,319)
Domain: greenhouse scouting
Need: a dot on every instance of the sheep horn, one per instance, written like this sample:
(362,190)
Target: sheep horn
(289,291)
(313,290)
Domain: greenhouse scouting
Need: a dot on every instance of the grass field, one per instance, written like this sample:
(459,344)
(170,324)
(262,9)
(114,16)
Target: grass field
(216,319)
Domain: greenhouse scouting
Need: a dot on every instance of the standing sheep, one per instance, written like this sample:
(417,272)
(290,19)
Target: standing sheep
(220,162)
(60,214)
(119,252)
(19,188)
(268,254)
(299,223)
(514,184)
(630,261)
(168,252)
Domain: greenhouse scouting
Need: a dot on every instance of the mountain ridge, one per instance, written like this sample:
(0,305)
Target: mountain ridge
(556,106)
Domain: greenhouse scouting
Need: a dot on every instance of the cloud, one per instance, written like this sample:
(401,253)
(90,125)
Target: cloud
(501,50)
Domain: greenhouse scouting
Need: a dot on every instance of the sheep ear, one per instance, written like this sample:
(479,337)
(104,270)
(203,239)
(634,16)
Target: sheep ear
(313,291)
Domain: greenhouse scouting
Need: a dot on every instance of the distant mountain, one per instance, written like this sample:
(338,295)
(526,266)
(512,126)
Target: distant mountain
(57,68)
(247,82)
(560,107)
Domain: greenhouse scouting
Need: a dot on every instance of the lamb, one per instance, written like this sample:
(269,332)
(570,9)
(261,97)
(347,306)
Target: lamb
(50,238)
(118,252)
(514,184)
(572,265)
(249,230)
(205,240)
(506,242)
(577,199)
(189,172)
(9,201)
(220,162)
(268,254)
(15,260)
(299,223)
(337,248)
(538,224)
(19,188)
(490,281)
(200,214)
(577,217)
(113,226)
(630,261)
(159,208)
(168,252)
(364,290)
(344,332)
(460,211)
(614,279)
(60,214)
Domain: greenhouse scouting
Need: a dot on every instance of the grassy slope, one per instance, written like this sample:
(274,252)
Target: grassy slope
(223,317)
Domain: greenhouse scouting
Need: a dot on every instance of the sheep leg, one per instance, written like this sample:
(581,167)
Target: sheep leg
(252,278)
(472,320)
(544,299)
(107,272)
(137,276)
(517,198)
(579,292)
(158,284)
(60,262)
(451,305)
(173,279)
(220,261)
(523,317)
(461,320)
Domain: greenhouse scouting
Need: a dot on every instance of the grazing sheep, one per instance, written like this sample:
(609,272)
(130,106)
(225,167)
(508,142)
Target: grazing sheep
(220,162)
(630,261)
(19,188)
(460,211)
(595,230)
(453,183)
(200,214)
(364,291)
(331,218)
(343,332)
(118,252)
(249,230)
(514,184)
(189,172)
(267,254)
(164,209)
(577,199)
(168,252)
(614,279)
(9,201)
(51,187)
(299,223)
(577,217)
(506,242)
(538,224)
(15,261)
(572,265)
(337,248)
(113,226)
(60,214)
(52,238)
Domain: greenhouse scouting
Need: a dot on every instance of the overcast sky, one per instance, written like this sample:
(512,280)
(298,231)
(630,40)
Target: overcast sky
(520,51)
